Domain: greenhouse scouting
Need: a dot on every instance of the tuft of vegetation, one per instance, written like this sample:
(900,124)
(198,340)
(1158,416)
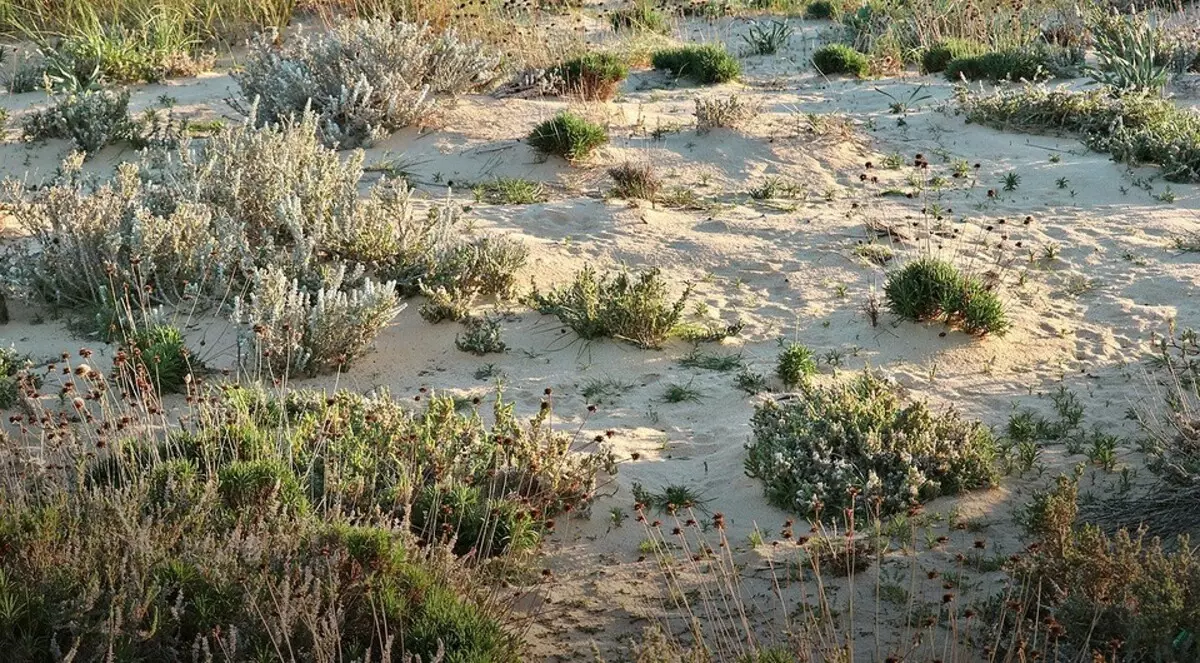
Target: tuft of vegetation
(593,76)
(1135,128)
(481,336)
(705,64)
(833,59)
(511,191)
(935,58)
(795,363)
(1025,64)
(569,136)
(159,354)
(767,39)
(90,119)
(822,10)
(856,445)
(641,16)
(681,393)
(363,79)
(670,499)
(632,180)
(932,289)
(11,366)
(636,309)
(728,113)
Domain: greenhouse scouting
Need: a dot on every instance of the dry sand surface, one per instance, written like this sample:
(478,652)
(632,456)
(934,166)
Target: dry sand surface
(1088,282)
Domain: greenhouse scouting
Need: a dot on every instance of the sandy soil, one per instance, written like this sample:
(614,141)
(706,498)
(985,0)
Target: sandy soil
(786,268)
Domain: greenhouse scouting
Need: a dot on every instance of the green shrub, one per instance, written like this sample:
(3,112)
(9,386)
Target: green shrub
(933,289)
(821,10)
(260,485)
(1014,65)
(158,353)
(935,58)
(568,136)
(795,364)
(481,336)
(841,59)
(594,76)
(812,451)
(638,309)
(1134,128)
(705,64)
(641,16)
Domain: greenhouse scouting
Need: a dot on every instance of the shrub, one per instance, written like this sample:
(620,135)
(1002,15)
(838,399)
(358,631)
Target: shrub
(637,309)
(845,445)
(635,181)
(158,354)
(481,336)
(821,10)
(795,364)
(1027,64)
(641,16)
(594,76)
(705,64)
(91,120)
(363,79)
(295,330)
(729,113)
(11,365)
(568,136)
(935,58)
(841,59)
(1134,128)
(933,289)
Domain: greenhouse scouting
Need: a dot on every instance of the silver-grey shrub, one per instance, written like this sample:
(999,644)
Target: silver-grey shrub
(364,78)
(91,119)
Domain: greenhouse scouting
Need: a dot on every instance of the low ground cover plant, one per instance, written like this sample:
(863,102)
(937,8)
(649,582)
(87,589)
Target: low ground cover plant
(636,308)
(934,289)
(857,445)
(705,64)
(834,59)
(363,79)
(569,136)
(1135,128)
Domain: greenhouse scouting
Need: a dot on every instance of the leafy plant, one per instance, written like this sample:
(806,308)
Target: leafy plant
(705,64)
(158,354)
(856,445)
(481,336)
(568,136)
(796,362)
(768,39)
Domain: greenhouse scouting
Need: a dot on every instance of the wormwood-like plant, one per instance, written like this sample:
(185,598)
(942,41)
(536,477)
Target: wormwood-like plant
(569,136)
(364,78)
(89,119)
(934,289)
(705,64)
(637,309)
(850,444)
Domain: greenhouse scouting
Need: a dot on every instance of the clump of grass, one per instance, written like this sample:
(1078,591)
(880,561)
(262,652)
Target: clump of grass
(729,113)
(833,59)
(636,309)
(795,364)
(670,499)
(856,445)
(481,336)
(1027,64)
(632,180)
(159,354)
(933,289)
(767,39)
(594,76)
(569,136)
(641,16)
(681,393)
(511,191)
(938,55)
(750,381)
(711,361)
(604,390)
(705,64)
(822,10)
(1134,128)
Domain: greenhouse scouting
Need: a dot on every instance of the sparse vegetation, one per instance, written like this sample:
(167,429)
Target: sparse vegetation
(632,180)
(729,113)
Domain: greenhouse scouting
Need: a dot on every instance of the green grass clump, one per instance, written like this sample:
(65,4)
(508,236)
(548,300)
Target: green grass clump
(1134,128)
(11,365)
(159,354)
(933,289)
(822,10)
(935,58)
(511,191)
(569,136)
(841,59)
(637,309)
(641,16)
(856,442)
(1014,65)
(796,362)
(594,76)
(705,64)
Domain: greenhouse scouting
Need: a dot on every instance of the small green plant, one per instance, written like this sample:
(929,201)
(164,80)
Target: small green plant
(834,59)
(935,58)
(932,289)
(1011,181)
(159,354)
(768,39)
(632,180)
(681,393)
(821,10)
(604,390)
(750,381)
(705,64)
(637,309)
(481,336)
(11,364)
(569,136)
(711,361)
(795,363)
(670,499)
(511,191)
(594,76)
